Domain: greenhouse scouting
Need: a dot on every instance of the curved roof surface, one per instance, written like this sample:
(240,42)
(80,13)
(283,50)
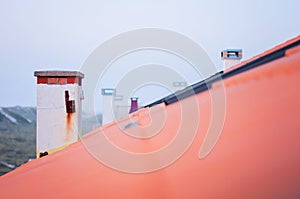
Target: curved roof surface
(256,154)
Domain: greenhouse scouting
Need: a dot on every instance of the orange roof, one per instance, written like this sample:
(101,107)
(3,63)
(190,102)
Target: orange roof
(257,154)
(267,52)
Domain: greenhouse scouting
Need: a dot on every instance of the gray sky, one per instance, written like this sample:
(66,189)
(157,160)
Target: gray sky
(40,35)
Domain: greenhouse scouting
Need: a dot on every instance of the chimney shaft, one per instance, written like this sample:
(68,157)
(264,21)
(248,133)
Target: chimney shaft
(107,109)
(59,96)
(134,104)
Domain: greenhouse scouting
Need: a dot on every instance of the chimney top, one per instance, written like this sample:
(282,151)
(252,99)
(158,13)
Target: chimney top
(232,54)
(231,57)
(56,73)
(108,91)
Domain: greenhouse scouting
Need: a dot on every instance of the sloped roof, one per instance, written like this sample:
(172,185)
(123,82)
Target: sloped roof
(256,156)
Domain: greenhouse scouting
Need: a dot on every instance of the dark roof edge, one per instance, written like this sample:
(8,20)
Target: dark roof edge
(205,84)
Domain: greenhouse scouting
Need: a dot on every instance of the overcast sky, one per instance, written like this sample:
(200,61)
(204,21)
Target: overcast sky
(60,34)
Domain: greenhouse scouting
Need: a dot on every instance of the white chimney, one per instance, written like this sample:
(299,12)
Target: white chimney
(59,99)
(231,57)
(107,108)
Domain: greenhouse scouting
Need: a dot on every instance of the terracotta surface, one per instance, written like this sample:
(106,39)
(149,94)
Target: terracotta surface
(257,154)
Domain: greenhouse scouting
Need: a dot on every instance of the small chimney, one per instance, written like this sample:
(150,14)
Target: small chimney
(59,99)
(179,85)
(231,57)
(107,108)
(134,104)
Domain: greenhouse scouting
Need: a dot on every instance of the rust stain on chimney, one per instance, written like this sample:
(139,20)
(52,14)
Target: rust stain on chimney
(69,127)
(70,110)
(69,122)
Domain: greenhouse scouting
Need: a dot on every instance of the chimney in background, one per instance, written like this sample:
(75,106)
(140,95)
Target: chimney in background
(107,108)
(231,57)
(59,99)
(134,104)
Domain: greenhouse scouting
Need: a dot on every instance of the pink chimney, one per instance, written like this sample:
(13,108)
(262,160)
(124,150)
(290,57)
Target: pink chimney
(134,104)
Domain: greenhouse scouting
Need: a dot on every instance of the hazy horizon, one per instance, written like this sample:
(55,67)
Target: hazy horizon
(49,35)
